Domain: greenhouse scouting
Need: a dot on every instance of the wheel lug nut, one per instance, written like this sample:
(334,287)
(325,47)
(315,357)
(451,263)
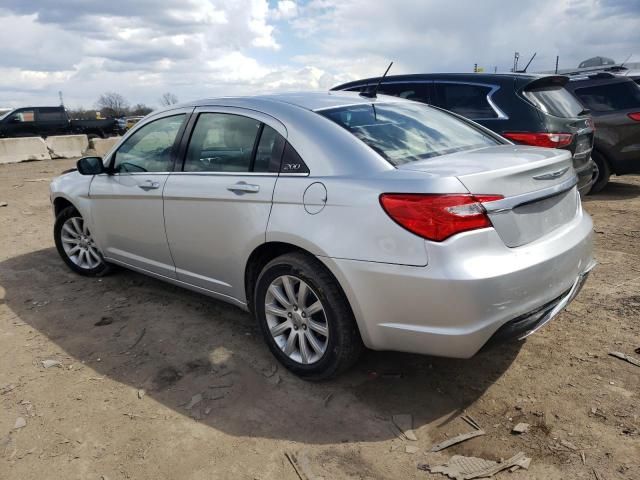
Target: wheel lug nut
(295,328)
(304,315)
(304,327)
(295,309)
(289,314)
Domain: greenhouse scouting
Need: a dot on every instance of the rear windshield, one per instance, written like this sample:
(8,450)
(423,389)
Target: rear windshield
(555,101)
(610,97)
(403,133)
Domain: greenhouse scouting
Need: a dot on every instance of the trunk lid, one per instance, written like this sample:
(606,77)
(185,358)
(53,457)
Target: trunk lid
(538,186)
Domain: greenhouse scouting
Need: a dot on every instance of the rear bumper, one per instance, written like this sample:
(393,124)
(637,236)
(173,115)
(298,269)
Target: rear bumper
(472,286)
(585,177)
(529,323)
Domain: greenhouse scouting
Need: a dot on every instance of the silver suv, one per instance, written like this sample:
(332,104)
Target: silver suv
(338,221)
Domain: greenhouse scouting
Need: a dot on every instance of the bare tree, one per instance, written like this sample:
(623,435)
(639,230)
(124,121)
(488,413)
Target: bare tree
(112,104)
(168,99)
(140,109)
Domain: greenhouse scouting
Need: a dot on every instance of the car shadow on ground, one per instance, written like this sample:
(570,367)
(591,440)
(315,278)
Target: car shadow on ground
(616,191)
(181,347)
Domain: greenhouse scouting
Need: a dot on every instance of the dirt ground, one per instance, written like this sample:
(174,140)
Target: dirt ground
(117,406)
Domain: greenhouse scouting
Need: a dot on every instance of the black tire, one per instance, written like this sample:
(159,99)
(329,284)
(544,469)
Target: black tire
(604,172)
(67,213)
(344,344)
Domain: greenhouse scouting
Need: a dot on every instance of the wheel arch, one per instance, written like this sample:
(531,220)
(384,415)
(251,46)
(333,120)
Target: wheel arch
(259,257)
(60,203)
(266,252)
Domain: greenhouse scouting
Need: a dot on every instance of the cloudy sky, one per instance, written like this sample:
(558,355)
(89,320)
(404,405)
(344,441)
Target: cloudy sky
(200,48)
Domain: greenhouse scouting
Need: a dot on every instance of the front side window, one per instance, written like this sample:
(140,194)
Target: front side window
(407,132)
(611,97)
(24,116)
(150,148)
(223,142)
(467,100)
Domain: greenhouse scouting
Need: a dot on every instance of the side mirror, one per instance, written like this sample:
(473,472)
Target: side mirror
(90,166)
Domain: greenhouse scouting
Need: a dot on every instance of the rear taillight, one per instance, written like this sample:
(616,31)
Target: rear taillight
(549,140)
(634,116)
(437,217)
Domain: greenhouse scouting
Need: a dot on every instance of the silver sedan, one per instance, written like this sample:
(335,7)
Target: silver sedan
(340,221)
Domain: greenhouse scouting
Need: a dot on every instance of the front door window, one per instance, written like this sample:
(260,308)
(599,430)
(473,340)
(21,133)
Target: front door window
(150,148)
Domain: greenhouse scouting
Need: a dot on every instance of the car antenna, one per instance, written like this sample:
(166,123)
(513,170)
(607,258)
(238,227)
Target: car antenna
(531,60)
(628,58)
(369,93)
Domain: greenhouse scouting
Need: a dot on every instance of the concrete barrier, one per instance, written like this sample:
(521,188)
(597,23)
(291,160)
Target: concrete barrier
(13,150)
(67,146)
(100,146)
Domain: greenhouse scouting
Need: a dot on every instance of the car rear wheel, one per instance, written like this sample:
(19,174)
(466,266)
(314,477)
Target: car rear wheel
(305,317)
(602,173)
(76,245)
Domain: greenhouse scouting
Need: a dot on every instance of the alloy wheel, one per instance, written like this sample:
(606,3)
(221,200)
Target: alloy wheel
(79,245)
(296,319)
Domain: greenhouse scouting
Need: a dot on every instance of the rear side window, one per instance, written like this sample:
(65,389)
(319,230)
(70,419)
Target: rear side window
(223,142)
(418,92)
(50,115)
(269,151)
(467,100)
(611,97)
(406,132)
(554,100)
(292,162)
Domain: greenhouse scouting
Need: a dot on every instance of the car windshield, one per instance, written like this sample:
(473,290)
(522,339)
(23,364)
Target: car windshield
(408,132)
(610,97)
(5,115)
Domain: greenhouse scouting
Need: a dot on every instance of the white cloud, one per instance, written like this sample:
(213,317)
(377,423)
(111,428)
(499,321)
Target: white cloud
(285,10)
(204,48)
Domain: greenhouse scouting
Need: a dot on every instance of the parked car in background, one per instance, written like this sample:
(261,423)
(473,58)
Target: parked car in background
(337,220)
(131,121)
(527,109)
(614,102)
(46,121)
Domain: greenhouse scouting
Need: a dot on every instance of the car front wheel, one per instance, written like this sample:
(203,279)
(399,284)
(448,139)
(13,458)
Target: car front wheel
(305,317)
(76,245)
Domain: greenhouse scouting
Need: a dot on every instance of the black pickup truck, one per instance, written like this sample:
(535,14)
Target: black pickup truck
(46,121)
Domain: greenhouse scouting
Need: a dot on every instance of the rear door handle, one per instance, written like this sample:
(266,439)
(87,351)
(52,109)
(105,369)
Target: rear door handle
(244,188)
(149,185)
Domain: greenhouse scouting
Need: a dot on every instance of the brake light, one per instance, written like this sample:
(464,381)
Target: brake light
(549,140)
(437,217)
(634,116)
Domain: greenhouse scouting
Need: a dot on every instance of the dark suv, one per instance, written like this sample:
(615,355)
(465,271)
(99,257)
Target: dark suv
(614,102)
(527,109)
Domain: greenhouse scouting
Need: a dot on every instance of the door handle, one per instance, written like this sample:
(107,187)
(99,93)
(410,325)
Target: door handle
(244,188)
(149,185)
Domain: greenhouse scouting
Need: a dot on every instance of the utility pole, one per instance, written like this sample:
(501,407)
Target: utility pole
(61,99)
(557,60)
(475,68)
(516,57)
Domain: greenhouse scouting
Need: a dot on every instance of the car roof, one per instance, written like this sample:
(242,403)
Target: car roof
(596,79)
(313,100)
(498,78)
